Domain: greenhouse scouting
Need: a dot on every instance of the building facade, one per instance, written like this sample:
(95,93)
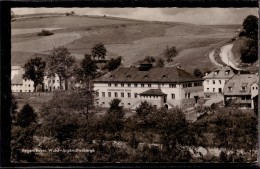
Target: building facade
(215,81)
(160,86)
(241,89)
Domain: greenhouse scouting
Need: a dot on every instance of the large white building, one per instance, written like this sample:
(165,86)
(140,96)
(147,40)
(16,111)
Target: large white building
(215,81)
(161,86)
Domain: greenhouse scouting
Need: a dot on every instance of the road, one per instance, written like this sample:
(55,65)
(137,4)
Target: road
(226,56)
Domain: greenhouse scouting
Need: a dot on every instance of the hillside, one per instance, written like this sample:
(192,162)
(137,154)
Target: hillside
(131,39)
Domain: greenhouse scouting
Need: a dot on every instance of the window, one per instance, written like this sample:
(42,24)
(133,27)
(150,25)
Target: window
(197,84)
(149,85)
(135,85)
(29,85)
(115,94)
(207,81)
(229,88)
(25,79)
(97,94)
(103,94)
(129,85)
(122,95)
(219,81)
(109,94)
(213,81)
(173,96)
(58,87)
(116,84)
(172,85)
(53,87)
(187,85)
(256,88)
(142,85)
(109,84)
(53,81)
(103,102)
(122,84)
(227,72)
(135,95)
(253,88)
(216,72)
(129,104)
(207,89)
(129,95)
(213,89)
(187,95)
(243,88)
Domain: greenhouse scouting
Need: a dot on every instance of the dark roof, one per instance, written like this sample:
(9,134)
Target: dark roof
(220,73)
(239,81)
(153,92)
(17,79)
(154,74)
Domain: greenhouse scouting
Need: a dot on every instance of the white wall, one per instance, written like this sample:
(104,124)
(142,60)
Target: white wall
(52,83)
(134,102)
(209,86)
(27,86)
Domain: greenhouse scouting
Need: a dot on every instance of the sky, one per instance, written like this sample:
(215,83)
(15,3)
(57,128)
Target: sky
(202,16)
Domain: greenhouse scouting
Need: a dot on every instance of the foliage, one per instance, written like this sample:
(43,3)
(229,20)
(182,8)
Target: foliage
(34,70)
(113,64)
(159,62)
(26,116)
(45,33)
(148,59)
(250,26)
(60,62)
(197,73)
(170,53)
(87,70)
(14,107)
(22,139)
(144,109)
(249,54)
(99,51)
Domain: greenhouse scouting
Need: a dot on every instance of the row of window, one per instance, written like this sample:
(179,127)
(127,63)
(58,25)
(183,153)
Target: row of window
(53,81)
(149,85)
(20,90)
(215,81)
(109,94)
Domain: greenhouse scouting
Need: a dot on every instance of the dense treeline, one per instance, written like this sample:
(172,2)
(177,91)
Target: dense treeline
(70,122)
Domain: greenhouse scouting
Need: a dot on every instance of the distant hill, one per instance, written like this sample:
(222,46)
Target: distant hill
(131,39)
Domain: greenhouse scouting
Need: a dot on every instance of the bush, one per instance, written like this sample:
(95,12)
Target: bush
(45,33)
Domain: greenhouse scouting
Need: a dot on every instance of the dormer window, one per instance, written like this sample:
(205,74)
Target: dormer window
(164,76)
(227,72)
(128,76)
(146,76)
(243,88)
(216,73)
(111,76)
(230,88)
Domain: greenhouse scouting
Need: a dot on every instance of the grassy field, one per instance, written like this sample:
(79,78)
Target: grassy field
(131,39)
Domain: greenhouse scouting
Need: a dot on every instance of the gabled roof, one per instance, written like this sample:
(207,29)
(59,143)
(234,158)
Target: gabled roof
(239,81)
(17,79)
(220,73)
(154,74)
(153,92)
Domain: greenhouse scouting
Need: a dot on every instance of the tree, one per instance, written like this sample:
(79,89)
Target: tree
(14,107)
(250,26)
(249,54)
(99,51)
(34,70)
(144,109)
(197,73)
(60,63)
(26,116)
(113,64)
(87,70)
(148,59)
(160,62)
(170,53)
